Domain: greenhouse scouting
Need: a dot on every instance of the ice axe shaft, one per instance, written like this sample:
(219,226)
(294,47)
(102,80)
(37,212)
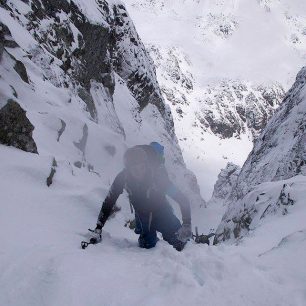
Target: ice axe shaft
(202,238)
(196,230)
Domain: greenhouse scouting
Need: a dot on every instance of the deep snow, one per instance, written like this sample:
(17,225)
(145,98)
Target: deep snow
(41,262)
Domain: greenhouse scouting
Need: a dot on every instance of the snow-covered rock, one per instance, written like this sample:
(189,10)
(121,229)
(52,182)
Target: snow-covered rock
(278,154)
(227,178)
(280,151)
(226,108)
(264,203)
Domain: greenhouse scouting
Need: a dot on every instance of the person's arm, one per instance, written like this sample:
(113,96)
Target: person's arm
(173,192)
(111,198)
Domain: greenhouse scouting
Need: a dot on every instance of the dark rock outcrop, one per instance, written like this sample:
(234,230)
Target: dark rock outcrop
(5,39)
(120,50)
(22,71)
(84,58)
(15,128)
(49,180)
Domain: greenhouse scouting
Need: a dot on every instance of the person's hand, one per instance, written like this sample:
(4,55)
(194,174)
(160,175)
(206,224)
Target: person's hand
(184,233)
(95,235)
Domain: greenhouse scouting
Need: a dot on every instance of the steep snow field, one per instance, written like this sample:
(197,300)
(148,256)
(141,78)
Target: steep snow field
(41,262)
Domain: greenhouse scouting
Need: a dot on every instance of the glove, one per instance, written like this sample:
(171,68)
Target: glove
(184,233)
(95,235)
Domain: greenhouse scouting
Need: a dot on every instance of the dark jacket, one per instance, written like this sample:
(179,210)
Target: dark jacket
(146,196)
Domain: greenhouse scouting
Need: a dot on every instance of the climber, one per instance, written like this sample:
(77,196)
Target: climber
(147,183)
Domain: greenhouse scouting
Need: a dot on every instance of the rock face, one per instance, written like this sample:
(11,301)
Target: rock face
(133,64)
(120,50)
(76,64)
(227,108)
(87,50)
(232,108)
(279,154)
(15,128)
(227,178)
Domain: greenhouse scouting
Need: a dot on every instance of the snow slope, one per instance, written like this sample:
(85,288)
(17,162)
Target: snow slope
(41,262)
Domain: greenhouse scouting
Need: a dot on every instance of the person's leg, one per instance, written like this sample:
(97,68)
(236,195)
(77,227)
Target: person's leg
(168,224)
(147,240)
(148,237)
(138,225)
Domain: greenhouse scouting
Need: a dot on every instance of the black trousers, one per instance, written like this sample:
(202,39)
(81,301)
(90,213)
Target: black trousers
(162,220)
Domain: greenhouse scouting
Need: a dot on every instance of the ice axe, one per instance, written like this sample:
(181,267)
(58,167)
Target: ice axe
(85,244)
(202,238)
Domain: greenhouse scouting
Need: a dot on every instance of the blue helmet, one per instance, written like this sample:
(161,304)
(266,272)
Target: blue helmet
(157,147)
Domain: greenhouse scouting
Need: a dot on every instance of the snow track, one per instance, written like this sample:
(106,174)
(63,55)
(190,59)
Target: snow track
(41,262)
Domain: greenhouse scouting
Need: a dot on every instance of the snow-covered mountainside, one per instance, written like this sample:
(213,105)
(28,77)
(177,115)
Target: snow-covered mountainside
(81,79)
(225,108)
(278,157)
(76,89)
(223,67)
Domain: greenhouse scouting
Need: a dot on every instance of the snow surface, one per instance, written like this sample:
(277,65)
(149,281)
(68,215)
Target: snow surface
(41,262)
